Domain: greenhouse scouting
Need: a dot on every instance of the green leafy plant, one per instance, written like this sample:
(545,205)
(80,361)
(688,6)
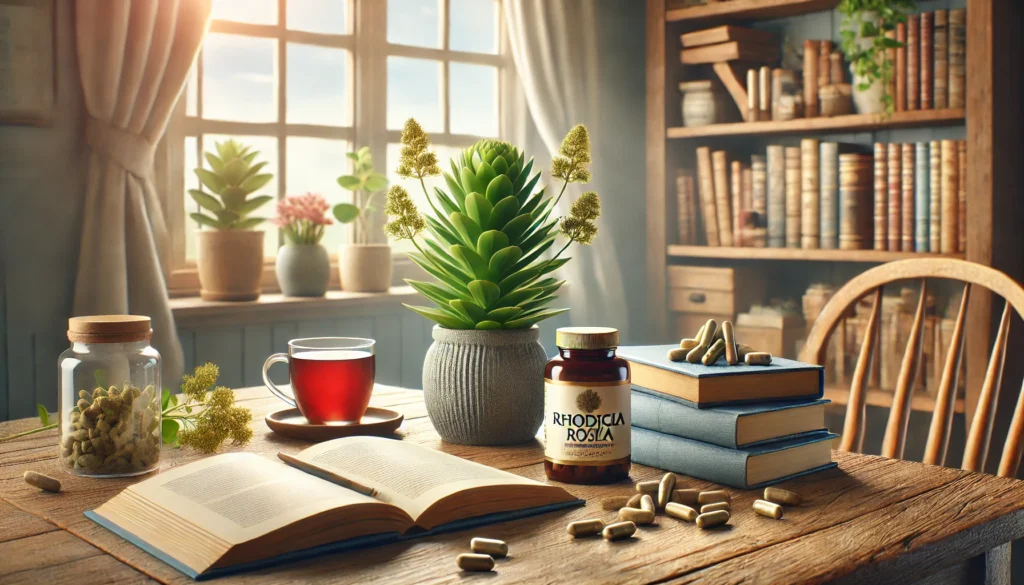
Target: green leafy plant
(231,178)
(362,179)
(870,20)
(488,233)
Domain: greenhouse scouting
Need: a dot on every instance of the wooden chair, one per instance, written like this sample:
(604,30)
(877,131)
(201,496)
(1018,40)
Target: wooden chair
(980,433)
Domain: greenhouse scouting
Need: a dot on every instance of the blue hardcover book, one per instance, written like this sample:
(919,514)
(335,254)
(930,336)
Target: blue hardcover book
(747,468)
(720,383)
(922,195)
(731,426)
(240,511)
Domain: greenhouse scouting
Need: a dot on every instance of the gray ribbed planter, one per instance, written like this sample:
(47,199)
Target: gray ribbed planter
(303,270)
(485,387)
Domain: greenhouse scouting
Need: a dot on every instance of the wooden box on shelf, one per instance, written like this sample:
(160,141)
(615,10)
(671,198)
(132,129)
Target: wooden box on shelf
(775,333)
(699,293)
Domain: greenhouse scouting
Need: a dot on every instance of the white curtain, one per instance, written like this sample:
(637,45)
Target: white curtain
(134,57)
(554,47)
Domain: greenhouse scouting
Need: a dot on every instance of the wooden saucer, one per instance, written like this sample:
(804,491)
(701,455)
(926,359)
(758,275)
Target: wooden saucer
(377,421)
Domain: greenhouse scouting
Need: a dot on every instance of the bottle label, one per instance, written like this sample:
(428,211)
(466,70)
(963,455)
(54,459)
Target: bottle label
(586,423)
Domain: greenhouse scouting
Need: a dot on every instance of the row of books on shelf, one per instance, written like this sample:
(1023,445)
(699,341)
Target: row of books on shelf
(930,65)
(908,197)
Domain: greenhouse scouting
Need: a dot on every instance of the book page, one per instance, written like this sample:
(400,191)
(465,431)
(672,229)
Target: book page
(240,496)
(407,475)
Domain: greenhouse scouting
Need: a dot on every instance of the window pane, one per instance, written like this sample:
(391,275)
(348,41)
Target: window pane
(473,99)
(191,182)
(239,78)
(414,91)
(267,146)
(252,11)
(444,154)
(314,165)
(474,26)
(192,93)
(414,22)
(319,16)
(318,86)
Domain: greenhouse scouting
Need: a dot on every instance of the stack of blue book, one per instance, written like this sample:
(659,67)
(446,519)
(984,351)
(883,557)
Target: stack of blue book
(741,426)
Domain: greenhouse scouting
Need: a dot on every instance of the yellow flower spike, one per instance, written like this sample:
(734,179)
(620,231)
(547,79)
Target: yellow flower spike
(406,222)
(415,161)
(579,225)
(570,164)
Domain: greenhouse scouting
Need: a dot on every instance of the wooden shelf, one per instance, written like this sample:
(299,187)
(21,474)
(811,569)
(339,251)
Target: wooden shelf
(745,9)
(877,256)
(851,123)
(920,402)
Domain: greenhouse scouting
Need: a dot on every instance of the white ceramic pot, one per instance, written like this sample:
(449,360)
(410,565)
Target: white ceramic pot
(365,267)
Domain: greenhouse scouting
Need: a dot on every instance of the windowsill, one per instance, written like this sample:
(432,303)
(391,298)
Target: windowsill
(193,312)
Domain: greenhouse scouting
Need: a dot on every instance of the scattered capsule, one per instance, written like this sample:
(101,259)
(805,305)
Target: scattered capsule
(475,562)
(618,531)
(648,487)
(688,344)
(758,358)
(681,511)
(687,497)
(712,496)
(742,351)
(713,353)
(489,546)
(729,336)
(712,519)
(769,509)
(647,503)
(585,527)
(700,333)
(677,354)
(665,488)
(636,515)
(634,502)
(715,506)
(41,481)
(615,502)
(781,496)
(695,355)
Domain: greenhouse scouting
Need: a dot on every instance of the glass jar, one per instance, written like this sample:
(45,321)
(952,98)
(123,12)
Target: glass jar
(586,408)
(109,397)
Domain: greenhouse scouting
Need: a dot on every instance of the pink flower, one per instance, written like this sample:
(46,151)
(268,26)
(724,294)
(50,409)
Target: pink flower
(302,217)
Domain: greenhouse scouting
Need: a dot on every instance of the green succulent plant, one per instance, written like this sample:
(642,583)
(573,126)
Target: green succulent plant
(231,179)
(489,232)
(363,178)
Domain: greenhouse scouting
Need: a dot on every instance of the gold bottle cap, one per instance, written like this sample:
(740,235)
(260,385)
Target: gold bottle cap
(587,337)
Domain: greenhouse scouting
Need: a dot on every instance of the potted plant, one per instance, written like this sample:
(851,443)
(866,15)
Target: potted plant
(302,267)
(483,377)
(362,266)
(863,41)
(230,256)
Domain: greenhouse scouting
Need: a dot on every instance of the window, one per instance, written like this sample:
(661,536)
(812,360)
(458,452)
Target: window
(305,81)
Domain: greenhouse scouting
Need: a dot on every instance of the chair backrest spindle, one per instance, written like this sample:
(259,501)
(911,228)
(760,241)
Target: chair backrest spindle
(945,398)
(899,416)
(853,438)
(978,438)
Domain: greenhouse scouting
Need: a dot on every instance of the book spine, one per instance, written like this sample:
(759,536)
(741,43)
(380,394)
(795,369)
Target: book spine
(922,195)
(950,185)
(829,155)
(824,67)
(753,97)
(935,196)
(811,79)
(940,46)
(927,60)
(890,55)
(836,63)
(776,92)
(810,208)
(913,62)
(683,209)
(776,166)
(672,418)
(961,156)
(957,62)
(895,196)
(854,201)
(720,169)
(907,185)
(736,190)
(764,87)
(901,67)
(692,203)
(793,197)
(759,187)
(692,458)
(706,184)
(881,197)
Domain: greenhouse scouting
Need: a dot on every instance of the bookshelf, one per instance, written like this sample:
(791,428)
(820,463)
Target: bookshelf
(851,123)
(743,9)
(797,254)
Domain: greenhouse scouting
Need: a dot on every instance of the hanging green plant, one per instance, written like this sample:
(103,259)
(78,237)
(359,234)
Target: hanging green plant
(865,44)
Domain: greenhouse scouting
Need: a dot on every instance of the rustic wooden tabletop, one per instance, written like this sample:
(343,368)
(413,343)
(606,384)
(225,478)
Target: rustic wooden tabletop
(870,520)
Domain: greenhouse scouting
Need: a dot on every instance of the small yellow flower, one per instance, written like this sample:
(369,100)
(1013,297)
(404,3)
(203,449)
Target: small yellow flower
(570,164)
(405,220)
(202,379)
(415,161)
(579,225)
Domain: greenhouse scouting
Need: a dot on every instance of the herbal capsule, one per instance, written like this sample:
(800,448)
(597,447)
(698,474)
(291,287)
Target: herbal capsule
(781,496)
(729,336)
(634,502)
(43,482)
(489,546)
(707,336)
(712,496)
(668,483)
(700,332)
(713,353)
(742,351)
(688,344)
(685,497)
(647,503)
(618,531)
(585,527)
(615,502)
(648,487)
(677,354)
(475,562)
(768,509)
(716,506)
(636,515)
(712,519)
(681,511)
(758,358)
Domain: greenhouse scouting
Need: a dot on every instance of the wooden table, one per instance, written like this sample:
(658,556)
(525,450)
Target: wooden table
(870,520)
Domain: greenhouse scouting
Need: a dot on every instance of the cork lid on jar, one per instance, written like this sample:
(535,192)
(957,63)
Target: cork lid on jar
(109,329)
(587,337)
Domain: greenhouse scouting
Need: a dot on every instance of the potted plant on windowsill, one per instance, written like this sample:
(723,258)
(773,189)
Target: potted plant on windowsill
(865,44)
(362,266)
(483,377)
(302,267)
(230,256)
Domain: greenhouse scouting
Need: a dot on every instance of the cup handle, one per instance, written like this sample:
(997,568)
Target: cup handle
(277,357)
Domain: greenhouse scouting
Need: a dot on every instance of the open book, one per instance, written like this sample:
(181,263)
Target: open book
(238,511)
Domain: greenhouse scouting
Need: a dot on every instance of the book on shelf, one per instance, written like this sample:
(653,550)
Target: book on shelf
(855,198)
(759,185)
(927,59)
(775,166)
(731,426)
(747,188)
(957,59)
(949,240)
(913,62)
(810,194)
(764,90)
(922,195)
(686,208)
(829,195)
(901,72)
(894,164)
(706,186)
(811,78)
(793,214)
(940,47)
(908,203)
(723,211)
(881,189)
(730,51)
(824,64)
(726,33)
(746,468)
(753,97)
(890,56)
(961,194)
(736,197)
(239,511)
(935,196)
(705,386)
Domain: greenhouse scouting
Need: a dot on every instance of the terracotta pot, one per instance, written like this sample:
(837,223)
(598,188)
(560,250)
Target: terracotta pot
(303,270)
(230,264)
(365,267)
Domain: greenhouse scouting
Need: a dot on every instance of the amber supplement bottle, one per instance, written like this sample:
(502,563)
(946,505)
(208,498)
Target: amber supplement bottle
(586,408)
